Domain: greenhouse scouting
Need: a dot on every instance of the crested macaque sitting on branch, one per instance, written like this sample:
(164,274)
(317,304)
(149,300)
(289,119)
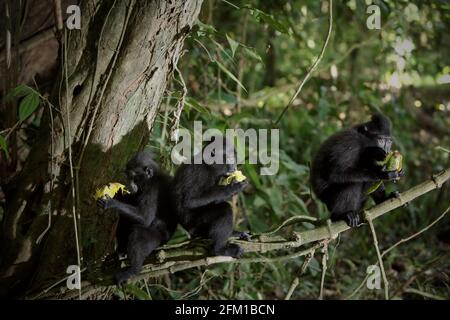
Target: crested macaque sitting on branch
(347,166)
(148,210)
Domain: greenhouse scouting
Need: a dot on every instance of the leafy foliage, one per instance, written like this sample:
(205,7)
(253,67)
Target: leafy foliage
(29,102)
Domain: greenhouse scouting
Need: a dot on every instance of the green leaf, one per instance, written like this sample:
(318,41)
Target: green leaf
(205,29)
(231,4)
(254,177)
(194,104)
(19,91)
(4,146)
(233,44)
(261,16)
(28,105)
(299,203)
(138,292)
(276,200)
(252,54)
(222,50)
(229,74)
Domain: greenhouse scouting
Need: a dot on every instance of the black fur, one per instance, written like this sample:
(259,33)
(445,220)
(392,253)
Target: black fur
(344,168)
(202,206)
(147,215)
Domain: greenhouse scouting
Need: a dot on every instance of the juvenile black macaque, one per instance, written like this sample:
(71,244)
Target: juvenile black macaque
(148,210)
(202,207)
(345,167)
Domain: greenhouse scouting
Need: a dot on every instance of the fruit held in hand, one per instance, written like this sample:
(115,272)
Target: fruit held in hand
(392,162)
(236,175)
(395,162)
(110,190)
(373,187)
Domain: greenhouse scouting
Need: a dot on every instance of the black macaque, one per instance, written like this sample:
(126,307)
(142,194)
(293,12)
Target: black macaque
(345,167)
(202,207)
(148,211)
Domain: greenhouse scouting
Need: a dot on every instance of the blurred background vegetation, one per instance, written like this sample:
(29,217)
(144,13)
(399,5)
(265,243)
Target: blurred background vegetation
(243,63)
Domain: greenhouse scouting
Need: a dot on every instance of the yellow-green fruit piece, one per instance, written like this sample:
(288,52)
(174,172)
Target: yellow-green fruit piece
(373,187)
(395,162)
(392,162)
(385,160)
(236,175)
(110,190)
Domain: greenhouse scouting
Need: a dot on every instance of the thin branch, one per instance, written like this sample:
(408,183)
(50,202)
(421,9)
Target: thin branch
(173,135)
(68,134)
(324,268)
(290,221)
(58,15)
(306,262)
(173,267)
(52,179)
(424,294)
(314,66)
(380,259)
(32,42)
(335,228)
(16,125)
(417,233)
(302,271)
(292,288)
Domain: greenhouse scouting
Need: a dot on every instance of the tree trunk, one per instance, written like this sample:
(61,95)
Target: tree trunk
(117,67)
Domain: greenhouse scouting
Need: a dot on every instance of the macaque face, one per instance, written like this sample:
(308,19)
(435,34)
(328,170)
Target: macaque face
(384,142)
(138,177)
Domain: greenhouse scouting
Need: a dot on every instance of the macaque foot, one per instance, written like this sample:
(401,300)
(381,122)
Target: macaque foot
(231,250)
(396,194)
(111,260)
(353,219)
(234,250)
(241,235)
(122,277)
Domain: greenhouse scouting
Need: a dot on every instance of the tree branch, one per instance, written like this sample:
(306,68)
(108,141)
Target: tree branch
(324,268)
(380,259)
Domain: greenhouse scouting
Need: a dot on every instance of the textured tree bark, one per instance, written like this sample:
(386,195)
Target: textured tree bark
(117,66)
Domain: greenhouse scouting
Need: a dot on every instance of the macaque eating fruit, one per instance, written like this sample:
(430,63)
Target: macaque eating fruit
(110,190)
(228,179)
